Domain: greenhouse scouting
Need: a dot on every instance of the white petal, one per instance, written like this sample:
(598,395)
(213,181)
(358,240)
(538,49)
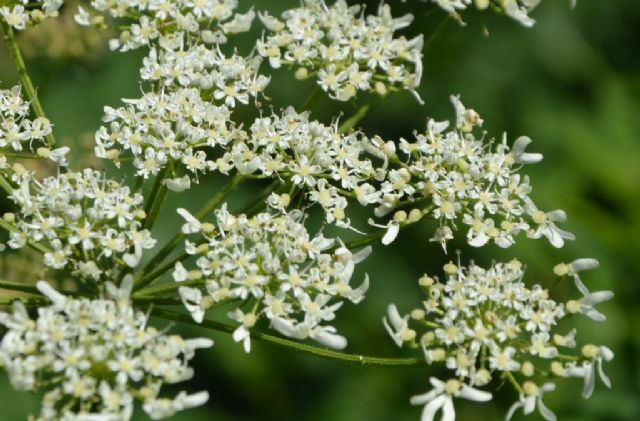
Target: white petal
(545,412)
(432,407)
(178,184)
(47,290)
(361,254)
(193,400)
(423,399)
(474,394)
(589,382)
(479,240)
(199,343)
(529,404)
(606,353)
(512,410)
(448,411)
(597,297)
(605,379)
(193,225)
(584,264)
(391,234)
(329,339)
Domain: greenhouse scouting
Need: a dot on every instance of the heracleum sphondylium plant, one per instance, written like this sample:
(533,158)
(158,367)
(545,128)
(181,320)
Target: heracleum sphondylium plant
(86,344)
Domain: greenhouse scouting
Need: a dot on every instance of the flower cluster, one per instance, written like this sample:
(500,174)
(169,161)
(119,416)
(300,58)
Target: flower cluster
(85,222)
(449,175)
(168,22)
(516,9)
(94,357)
(162,129)
(311,156)
(219,78)
(26,12)
(462,178)
(272,263)
(346,51)
(17,129)
(486,324)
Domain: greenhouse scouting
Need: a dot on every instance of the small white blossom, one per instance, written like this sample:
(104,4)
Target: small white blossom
(441,397)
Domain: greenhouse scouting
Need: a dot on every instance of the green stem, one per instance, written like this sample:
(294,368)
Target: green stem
(286,343)
(157,301)
(259,203)
(36,246)
(366,240)
(158,191)
(21,155)
(178,238)
(15,286)
(169,287)
(431,39)
(5,185)
(359,115)
(312,99)
(10,40)
(147,279)
(217,199)
(27,301)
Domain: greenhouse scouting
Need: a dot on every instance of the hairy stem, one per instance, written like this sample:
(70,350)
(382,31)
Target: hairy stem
(286,343)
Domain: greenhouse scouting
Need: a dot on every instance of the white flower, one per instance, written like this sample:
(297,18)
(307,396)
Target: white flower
(531,398)
(585,304)
(522,157)
(441,396)
(242,332)
(192,225)
(596,356)
(178,184)
(398,327)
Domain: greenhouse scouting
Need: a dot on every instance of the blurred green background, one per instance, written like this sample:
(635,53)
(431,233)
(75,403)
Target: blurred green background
(571,83)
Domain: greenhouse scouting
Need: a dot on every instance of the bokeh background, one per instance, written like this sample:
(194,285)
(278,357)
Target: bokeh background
(572,83)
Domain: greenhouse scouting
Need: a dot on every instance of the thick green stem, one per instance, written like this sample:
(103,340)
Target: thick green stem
(15,286)
(158,191)
(5,185)
(215,201)
(10,40)
(286,343)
